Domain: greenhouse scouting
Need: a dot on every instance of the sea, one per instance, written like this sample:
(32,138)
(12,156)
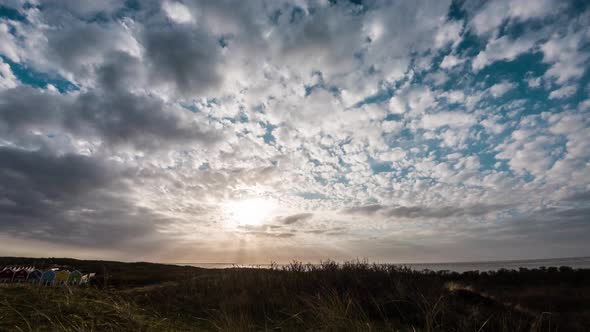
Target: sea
(573,262)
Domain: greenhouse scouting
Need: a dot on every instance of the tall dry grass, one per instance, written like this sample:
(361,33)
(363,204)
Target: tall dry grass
(353,296)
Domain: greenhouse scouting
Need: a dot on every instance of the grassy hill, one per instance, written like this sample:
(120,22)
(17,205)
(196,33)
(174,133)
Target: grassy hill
(353,296)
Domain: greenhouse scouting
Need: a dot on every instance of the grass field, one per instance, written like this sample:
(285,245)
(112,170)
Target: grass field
(354,296)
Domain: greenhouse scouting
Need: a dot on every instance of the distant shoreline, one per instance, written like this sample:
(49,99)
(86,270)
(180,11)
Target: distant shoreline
(573,262)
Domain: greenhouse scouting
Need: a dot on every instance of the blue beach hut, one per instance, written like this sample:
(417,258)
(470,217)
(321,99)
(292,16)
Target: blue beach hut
(47,278)
(34,276)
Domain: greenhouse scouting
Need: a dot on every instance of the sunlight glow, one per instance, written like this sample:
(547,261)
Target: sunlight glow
(251,211)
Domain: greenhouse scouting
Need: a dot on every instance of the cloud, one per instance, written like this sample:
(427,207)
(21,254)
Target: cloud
(451,61)
(584,105)
(141,120)
(417,212)
(114,118)
(8,46)
(534,82)
(563,92)
(501,49)
(492,14)
(7,78)
(499,89)
(183,60)
(451,119)
(450,32)
(295,218)
(68,198)
(178,12)
(562,52)
(76,48)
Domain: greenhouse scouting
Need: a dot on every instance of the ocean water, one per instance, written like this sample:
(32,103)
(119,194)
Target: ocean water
(573,262)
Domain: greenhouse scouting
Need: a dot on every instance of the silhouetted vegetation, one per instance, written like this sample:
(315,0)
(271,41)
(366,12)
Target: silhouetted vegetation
(354,296)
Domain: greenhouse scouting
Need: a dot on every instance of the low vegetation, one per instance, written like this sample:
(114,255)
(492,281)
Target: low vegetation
(354,296)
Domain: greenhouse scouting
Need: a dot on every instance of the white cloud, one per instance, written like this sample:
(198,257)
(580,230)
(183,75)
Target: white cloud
(455,96)
(178,12)
(563,92)
(396,105)
(501,49)
(451,119)
(499,89)
(7,78)
(584,105)
(392,126)
(438,77)
(396,154)
(530,155)
(8,45)
(494,13)
(534,82)
(563,53)
(420,99)
(449,32)
(451,61)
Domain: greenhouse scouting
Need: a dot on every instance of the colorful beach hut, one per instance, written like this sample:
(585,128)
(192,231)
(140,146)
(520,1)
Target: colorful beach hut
(34,276)
(6,275)
(86,278)
(20,275)
(47,278)
(61,277)
(75,277)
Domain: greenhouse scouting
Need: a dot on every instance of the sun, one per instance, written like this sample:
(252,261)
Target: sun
(251,211)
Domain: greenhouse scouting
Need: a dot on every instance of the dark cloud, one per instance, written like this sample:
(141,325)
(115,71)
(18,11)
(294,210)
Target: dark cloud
(186,59)
(412,212)
(68,198)
(582,196)
(53,176)
(120,72)
(24,108)
(365,210)
(77,44)
(329,231)
(295,218)
(116,118)
(564,229)
(140,120)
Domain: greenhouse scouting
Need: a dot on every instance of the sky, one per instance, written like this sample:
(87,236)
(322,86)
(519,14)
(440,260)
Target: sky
(272,130)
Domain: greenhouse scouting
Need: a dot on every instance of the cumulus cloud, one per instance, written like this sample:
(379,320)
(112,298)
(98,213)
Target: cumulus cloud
(113,118)
(499,89)
(68,198)
(295,218)
(415,212)
(563,92)
(501,49)
(182,59)
(451,61)
(8,46)
(178,12)
(562,52)
(451,119)
(7,78)
(492,14)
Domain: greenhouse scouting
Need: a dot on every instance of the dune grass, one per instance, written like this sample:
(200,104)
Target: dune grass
(354,296)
